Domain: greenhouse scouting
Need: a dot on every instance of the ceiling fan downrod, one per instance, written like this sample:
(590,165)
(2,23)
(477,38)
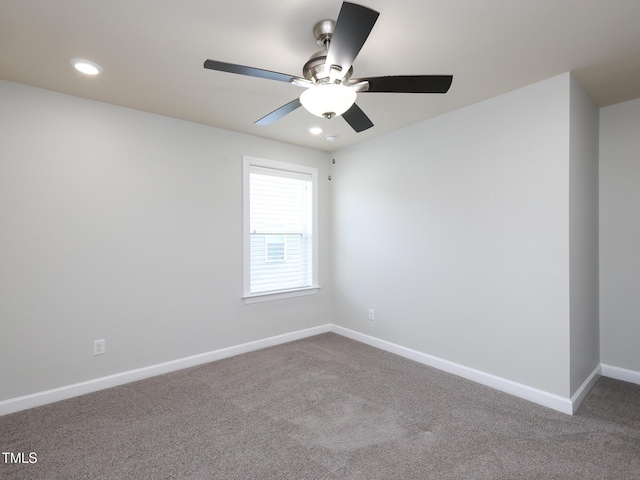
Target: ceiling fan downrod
(322,32)
(316,69)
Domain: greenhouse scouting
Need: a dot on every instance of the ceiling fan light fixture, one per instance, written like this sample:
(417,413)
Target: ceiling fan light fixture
(331,91)
(328,100)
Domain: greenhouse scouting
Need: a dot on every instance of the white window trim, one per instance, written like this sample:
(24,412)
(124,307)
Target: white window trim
(280,295)
(247,163)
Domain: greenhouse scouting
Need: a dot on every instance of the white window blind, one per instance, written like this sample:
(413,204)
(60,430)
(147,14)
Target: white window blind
(280,230)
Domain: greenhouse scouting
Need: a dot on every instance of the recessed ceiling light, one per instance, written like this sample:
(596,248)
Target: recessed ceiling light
(85,66)
(315,130)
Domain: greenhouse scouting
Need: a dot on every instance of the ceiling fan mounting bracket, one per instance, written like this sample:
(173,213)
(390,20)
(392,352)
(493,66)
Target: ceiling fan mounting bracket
(322,32)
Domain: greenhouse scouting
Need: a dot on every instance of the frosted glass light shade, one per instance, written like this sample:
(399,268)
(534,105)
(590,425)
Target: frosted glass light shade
(328,100)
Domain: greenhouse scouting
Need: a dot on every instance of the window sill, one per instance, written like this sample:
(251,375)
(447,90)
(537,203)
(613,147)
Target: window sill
(280,295)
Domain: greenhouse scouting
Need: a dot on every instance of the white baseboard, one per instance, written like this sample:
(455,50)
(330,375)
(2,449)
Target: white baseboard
(621,374)
(585,388)
(49,396)
(556,402)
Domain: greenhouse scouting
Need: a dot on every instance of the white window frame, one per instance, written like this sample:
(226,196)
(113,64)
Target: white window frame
(247,163)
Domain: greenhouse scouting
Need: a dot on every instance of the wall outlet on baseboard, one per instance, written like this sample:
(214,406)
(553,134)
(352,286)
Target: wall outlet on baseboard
(99,347)
(372,316)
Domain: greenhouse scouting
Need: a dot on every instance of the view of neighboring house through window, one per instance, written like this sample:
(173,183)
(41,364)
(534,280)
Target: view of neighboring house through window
(280,219)
(275,244)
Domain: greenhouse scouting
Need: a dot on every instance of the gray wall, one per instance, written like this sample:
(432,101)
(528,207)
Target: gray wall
(470,234)
(583,234)
(127,226)
(620,235)
(456,231)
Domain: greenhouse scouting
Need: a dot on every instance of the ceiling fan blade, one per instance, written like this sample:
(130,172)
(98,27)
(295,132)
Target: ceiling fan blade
(249,71)
(357,119)
(353,26)
(279,113)
(408,83)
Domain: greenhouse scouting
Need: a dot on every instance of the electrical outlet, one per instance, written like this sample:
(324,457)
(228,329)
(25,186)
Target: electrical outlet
(371,314)
(99,347)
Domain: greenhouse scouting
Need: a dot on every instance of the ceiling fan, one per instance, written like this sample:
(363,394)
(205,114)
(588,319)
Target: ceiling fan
(330,90)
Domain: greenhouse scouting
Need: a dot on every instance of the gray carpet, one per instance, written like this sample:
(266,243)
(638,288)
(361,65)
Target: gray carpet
(323,408)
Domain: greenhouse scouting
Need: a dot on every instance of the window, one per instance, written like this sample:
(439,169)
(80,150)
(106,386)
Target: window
(280,230)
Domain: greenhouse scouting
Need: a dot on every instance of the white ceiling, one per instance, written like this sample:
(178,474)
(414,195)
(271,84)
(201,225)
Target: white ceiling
(152,52)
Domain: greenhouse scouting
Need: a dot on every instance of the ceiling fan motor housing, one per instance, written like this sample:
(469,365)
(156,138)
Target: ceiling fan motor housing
(317,71)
